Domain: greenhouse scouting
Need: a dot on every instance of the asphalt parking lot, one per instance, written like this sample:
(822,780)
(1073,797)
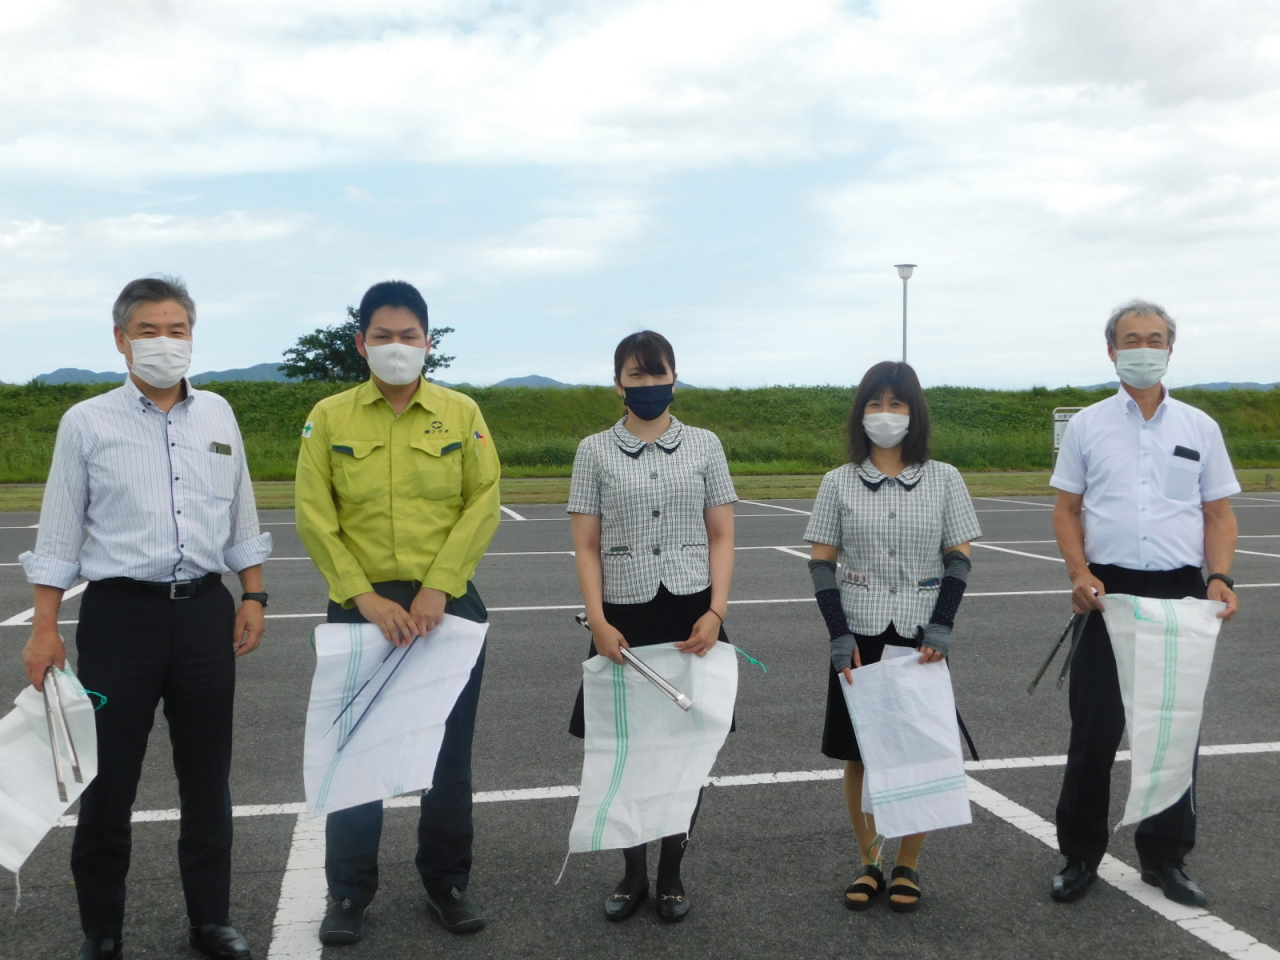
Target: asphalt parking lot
(771,855)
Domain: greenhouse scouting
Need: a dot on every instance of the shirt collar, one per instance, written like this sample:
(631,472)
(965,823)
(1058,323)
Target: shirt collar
(1130,405)
(368,393)
(633,446)
(136,395)
(873,479)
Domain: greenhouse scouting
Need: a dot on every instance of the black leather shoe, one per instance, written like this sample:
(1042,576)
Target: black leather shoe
(620,905)
(673,906)
(219,941)
(343,922)
(458,911)
(1073,881)
(1177,886)
(101,950)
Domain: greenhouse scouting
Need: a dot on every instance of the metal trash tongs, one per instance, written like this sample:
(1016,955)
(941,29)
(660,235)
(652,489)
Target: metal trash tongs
(681,700)
(59,734)
(1074,627)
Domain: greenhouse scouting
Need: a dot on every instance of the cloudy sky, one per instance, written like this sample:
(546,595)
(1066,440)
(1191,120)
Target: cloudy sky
(739,175)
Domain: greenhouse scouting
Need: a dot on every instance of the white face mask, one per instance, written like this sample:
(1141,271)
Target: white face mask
(396,363)
(886,429)
(160,361)
(1141,367)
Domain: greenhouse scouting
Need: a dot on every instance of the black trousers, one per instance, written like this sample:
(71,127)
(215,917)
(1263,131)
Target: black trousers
(445,827)
(1097,723)
(138,651)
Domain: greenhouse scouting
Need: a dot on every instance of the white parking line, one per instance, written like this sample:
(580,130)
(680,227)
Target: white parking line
(1020,553)
(23,619)
(512,514)
(1025,503)
(759,503)
(1196,921)
(302,894)
(563,791)
(1255,553)
(794,553)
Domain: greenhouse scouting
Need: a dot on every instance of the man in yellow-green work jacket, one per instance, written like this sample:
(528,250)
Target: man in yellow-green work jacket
(397,500)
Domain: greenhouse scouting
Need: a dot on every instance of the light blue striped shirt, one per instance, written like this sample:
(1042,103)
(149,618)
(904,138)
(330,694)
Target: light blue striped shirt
(134,492)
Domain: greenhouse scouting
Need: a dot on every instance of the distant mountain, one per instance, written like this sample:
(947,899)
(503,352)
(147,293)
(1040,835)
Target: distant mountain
(1230,386)
(259,372)
(74,375)
(1220,385)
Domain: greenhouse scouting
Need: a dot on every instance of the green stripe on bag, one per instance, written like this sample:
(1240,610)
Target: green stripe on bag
(620,752)
(1166,706)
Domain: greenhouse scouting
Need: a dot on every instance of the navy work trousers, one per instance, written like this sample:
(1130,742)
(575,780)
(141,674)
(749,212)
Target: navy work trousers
(1097,723)
(445,828)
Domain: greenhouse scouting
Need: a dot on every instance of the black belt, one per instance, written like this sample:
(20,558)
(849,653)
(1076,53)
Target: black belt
(177,590)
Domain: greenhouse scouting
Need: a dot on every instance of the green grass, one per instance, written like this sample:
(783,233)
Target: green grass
(766,432)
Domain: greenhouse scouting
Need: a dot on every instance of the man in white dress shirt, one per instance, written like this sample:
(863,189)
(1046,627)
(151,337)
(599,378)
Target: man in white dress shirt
(149,499)
(1143,483)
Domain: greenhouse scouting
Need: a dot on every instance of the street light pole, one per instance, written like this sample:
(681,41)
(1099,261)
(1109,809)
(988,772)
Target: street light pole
(904,271)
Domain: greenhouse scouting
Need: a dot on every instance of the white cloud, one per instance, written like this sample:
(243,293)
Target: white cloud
(566,243)
(234,226)
(23,238)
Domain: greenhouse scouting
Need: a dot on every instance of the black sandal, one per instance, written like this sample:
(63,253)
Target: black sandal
(875,873)
(902,890)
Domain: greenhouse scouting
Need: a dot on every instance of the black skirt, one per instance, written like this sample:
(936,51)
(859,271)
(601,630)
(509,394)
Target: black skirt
(838,739)
(667,618)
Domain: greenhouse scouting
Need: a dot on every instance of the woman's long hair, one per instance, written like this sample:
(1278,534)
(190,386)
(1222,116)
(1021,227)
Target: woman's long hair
(902,380)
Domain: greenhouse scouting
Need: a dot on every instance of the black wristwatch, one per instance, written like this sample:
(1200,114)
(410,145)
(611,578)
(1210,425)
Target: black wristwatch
(1231,584)
(260,597)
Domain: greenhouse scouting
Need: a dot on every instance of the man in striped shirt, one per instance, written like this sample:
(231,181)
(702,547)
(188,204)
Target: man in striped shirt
(149,499)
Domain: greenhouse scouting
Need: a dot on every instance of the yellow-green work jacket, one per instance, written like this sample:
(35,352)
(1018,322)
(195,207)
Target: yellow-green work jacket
(381,497)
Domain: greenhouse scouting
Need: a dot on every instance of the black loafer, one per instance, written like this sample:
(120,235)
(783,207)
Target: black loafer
(343,922)
(458,911)
(108,949)
(219,941)
(674,906)
(1177,886)
(1073,881)
(620,905)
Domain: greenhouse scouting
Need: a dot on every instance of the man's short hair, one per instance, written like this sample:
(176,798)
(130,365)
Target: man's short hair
(392,293)
(155,289)
(1139,308)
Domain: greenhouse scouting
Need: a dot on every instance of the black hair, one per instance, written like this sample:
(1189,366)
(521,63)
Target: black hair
(392,293)
(902,380)
(651,351)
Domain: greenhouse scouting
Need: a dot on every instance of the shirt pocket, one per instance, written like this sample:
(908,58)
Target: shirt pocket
(1182,479)
(217,478)
(359,469)
(437,467)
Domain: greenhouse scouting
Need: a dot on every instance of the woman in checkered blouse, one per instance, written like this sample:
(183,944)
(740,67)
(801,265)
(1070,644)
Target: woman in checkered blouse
(652,508)
(900,525)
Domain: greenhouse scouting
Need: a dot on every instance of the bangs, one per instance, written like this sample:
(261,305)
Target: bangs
(651,352)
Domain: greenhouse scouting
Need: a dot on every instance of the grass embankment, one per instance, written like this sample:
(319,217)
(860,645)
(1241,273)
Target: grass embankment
(766,432)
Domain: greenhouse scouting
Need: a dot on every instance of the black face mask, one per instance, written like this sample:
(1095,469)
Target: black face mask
(648,403)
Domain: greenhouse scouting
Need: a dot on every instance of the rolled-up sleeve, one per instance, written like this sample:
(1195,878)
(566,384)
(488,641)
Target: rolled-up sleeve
(55,562)
(248,546)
